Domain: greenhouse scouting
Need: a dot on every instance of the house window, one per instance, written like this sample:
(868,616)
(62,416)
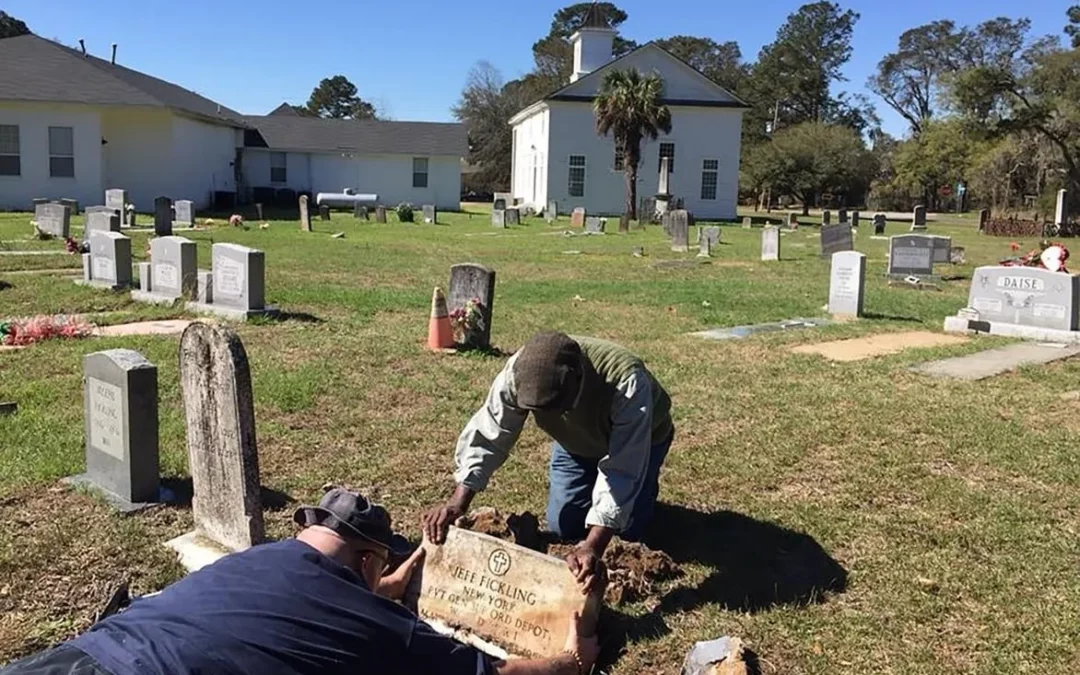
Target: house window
(620,157)
(9,150)
(61,152)
(577,175)
(666,150)
(709,169)
(278,172)
(420,172)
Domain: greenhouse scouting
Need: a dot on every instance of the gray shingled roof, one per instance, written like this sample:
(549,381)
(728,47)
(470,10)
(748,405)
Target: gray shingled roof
(285,132)
(36,69)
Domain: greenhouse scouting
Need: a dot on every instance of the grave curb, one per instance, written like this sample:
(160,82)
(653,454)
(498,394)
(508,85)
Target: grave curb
(230,313)
(956,324)
(122,505)
(152,298)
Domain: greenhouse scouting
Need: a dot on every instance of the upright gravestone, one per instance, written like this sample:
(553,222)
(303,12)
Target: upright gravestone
(984,218)
(498,218)
(680,231)
(1026,296)
(120,403)
(879,223)
(223,458)
(173,272)
(184,210)
(431,215)
(855,219)
(163,217)
(324,212)
(360,211)
(747,223)
(380,214)
(470,281)
(770,243)
(72,204)
(116,199)
(513,215)
(712,233)
(499,204)
(836,238)
(577,217)
(1061,213)
(847,283)
(594,225)
(826,218)
(502,592)
(942,249)
(130,216)
(110,261)
(911,255)
(793,221)
(105,220)
(918,218)
(842,216)
(551,213)
(305,214)
(258,211)
(239,286)
(704,247)
(53,219)
(624,223)
(506,198)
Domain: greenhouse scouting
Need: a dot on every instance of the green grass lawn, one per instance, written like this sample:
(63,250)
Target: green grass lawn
(952,507)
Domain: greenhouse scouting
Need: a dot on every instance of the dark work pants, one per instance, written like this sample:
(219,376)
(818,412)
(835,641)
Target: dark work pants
(62,660)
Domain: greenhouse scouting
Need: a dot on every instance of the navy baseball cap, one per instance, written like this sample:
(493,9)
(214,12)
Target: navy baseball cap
(351,515)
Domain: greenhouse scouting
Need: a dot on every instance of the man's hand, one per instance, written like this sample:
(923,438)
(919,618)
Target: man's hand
(393,585)
(584,564)
(439,519)
(585,647)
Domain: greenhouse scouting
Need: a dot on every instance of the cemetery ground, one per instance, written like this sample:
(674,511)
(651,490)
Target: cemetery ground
(950,510)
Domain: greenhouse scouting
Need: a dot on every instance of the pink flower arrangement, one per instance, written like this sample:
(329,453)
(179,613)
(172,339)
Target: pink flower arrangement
(22,332)
(236,220)
(1050,256)
(467,320)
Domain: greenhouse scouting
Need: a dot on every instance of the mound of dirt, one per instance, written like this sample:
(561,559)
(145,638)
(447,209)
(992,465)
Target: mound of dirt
(522,529)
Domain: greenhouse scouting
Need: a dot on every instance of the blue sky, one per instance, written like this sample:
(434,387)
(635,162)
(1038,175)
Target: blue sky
(411,57)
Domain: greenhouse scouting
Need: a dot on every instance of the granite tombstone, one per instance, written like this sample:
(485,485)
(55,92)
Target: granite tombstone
(836,238)
(911,255)
(53,219)
(163,217)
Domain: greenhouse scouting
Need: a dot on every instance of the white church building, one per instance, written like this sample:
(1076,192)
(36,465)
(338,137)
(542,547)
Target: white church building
(558,155)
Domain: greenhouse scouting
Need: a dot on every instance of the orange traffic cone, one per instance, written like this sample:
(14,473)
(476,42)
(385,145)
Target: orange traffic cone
(440,333)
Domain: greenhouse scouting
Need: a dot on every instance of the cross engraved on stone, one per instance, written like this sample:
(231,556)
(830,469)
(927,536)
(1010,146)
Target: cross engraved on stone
(499,562)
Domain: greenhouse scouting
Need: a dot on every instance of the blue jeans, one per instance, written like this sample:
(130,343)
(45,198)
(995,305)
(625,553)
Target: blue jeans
(570,494)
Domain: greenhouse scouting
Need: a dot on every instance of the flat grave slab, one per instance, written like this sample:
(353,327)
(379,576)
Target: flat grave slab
(168,327)
(743,332)
(982,365)
(857,349)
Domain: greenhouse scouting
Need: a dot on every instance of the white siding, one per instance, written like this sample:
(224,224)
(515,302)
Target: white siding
(202,157)
(698,133)
(530,166)
(389,176)
(34,121)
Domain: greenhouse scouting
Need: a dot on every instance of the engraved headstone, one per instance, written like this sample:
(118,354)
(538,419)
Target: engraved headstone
(173,271)
(116,199)
(984,218)
(72,204)
(380,214)
(847,283)
(499,204)
(836,238)
(942,246)
(184,210)
(551,214)
(594,225)
(110,260)
(506,198)
(747,223)
(624,223)
(239,277)
(704,247)
(431,215)
(842,216)
(1061,212)
(577,217)
(879,223)
(120,402)
(918,218)
(855,219)
(1026,296)
(680,231)
(223,458)
(911,255)
(305,214)
(105,220)
(826,218)
(498,218)
(470,281)
(506,594)
(163,217)
(711,232)
(770,243)
(54,219)
(513,215)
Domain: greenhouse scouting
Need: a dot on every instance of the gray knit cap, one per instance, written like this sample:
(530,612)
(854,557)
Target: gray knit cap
(548,372)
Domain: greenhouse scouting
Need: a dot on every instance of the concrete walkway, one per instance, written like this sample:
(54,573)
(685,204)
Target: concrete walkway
(992,362)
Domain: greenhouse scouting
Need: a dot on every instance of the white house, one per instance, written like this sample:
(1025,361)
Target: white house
(559,156)
(74,125)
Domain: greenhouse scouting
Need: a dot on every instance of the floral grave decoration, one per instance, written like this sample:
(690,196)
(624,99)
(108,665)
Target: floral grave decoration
(1049,256)
(23,332)
(467,322)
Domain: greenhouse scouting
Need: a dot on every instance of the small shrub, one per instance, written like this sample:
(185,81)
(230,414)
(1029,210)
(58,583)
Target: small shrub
(405,213)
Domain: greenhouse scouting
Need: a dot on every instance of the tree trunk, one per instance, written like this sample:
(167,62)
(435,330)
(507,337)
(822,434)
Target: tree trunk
(631,191)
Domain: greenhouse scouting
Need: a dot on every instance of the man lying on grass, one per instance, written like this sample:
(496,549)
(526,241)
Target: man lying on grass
(611,423)
(320,603)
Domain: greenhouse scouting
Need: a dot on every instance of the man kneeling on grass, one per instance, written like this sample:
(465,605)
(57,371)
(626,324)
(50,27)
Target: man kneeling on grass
(319,603)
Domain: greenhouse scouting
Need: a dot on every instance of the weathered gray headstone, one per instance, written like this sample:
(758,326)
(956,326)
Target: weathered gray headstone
(431,215)
(665,222)
(577,217)
(361,211)
(504,198)
(911,255)
(704,247)
(847,283)
(770,243)
(1026,296)
(855,219)
(879,223)
(836,238)
(116,199)
(1061,212)
(144,278)
(499,205)
(594,225)
(942,246)
(324,212)
(551,214)
(380,214)
(793,221)
(984,218)
(680,231)
(106,220)
(842,216)
(110,260)
(173,271)
(305,214)
(513,215)
(184,209)
(239,277)
(747,223)
(72,204)
(624,223)
(711,232)
(120,404)
(826,217)
(102,209)
(223,457)
(918,218)
(163,217)
(54,219)
(498,218)
(39,200)
(469,281)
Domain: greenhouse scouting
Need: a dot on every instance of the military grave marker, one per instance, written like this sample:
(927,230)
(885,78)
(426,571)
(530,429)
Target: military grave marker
(847,284)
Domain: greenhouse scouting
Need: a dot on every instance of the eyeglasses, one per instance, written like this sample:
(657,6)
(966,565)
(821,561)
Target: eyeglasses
(382,557)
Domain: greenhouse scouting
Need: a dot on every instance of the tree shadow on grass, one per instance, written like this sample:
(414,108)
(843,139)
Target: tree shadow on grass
(182,490)
(299,317)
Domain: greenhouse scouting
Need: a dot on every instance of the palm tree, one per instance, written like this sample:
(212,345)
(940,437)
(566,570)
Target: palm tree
(629,107)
